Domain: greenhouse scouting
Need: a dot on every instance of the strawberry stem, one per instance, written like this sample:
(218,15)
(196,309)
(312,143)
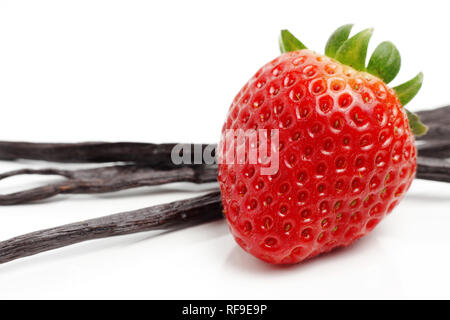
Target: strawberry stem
(337,39)
(353,51)
(417,127)
(385,62)
(408,90)
(289,43)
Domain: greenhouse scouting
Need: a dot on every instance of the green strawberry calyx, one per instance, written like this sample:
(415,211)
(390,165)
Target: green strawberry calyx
(384,62)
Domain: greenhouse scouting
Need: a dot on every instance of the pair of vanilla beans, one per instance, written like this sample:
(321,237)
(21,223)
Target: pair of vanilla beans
(147,164)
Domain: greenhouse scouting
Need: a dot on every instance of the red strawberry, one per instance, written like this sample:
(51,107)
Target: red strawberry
(346,150)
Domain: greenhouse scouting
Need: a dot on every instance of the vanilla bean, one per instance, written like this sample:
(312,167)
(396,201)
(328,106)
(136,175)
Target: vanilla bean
(435,148)
(433,169)
(436,115)
(169,216)
(105,179)
(116,178)
(436,131)
(438,122)
(95,152)
(156,155)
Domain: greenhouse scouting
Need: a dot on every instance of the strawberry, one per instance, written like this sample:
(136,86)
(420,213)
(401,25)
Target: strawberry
(346,148)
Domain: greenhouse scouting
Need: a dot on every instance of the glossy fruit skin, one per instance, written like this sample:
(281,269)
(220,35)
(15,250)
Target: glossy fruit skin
(346,159)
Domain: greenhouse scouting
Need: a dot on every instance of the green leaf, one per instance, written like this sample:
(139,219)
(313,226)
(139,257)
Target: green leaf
(289,43)
(337,39)
(354,50)
(417,127)
(385,62)
(409,89)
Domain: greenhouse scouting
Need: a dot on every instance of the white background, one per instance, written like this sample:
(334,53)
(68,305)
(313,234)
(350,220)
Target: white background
(167,71)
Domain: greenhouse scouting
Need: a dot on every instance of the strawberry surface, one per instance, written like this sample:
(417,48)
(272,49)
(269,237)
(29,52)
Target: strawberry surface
(346,158)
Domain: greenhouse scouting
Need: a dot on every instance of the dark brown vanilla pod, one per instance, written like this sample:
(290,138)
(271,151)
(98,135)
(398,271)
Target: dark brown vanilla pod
(438,123)
(151,154)
(106,179)
(436,142)
(159,155)
(116,178)
(433,169)
(436,115)
(436,131)
(434,148)
(168,216)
